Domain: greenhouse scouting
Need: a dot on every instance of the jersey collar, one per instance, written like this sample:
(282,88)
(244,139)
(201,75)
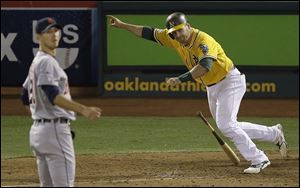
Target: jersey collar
(194,37)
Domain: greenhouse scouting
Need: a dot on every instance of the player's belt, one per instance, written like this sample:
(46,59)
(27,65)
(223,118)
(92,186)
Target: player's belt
(60,120)
(216,82)
(233,67)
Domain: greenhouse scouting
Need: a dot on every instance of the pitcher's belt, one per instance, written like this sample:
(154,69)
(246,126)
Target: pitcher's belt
(61,120)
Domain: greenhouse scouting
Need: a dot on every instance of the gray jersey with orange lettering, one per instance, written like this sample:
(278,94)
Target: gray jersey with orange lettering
(45,70)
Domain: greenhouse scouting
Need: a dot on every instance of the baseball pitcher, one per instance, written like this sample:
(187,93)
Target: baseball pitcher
(208,64)
(46,91)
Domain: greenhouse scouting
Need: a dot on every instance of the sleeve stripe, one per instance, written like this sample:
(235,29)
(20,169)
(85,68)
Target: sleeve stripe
(214,57)
(156,37)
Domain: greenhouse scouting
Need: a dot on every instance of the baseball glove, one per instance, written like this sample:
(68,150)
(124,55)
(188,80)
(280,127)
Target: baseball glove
(73,134)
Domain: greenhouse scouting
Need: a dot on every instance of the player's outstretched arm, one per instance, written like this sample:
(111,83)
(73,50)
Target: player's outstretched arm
(135,29)
(87,111)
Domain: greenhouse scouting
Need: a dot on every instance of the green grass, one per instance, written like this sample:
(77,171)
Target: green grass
(136,134)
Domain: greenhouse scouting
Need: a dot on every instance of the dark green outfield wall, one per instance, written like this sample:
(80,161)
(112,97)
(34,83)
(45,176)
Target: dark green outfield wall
(259,40)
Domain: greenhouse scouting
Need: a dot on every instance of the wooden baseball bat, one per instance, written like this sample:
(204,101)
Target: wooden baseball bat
(230,153)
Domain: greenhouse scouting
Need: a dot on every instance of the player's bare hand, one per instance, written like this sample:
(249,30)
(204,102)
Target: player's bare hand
(114,21)
(173,81)
(92,112)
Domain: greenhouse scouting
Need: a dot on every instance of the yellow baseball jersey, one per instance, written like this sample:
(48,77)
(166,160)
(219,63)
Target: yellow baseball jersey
(202,45)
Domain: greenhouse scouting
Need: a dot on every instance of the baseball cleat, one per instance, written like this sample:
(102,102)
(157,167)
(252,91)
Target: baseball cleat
(282,144)
(255,169)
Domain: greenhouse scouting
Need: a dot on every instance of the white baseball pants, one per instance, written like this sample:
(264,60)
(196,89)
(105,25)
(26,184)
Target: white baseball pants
(224,100)
(53,146)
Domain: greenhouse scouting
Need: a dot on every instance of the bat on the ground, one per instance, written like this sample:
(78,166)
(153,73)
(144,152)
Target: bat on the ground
(230,153)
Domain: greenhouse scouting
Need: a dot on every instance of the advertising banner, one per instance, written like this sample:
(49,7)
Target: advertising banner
(258,85)
(19,43)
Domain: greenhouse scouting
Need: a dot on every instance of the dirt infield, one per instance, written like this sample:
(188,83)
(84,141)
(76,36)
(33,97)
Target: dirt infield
(161,169)
(168,107)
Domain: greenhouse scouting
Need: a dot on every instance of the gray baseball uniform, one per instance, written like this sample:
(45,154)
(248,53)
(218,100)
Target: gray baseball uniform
(50,137)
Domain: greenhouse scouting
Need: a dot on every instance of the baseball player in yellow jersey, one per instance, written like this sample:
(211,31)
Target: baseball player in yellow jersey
(207,63)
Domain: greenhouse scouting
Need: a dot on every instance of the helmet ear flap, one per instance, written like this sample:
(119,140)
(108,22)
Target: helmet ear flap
(171,35)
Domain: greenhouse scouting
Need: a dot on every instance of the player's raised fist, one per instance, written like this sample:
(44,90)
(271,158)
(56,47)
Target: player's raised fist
(114,21)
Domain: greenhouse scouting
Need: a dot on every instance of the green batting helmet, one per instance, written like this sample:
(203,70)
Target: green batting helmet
(174,22)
